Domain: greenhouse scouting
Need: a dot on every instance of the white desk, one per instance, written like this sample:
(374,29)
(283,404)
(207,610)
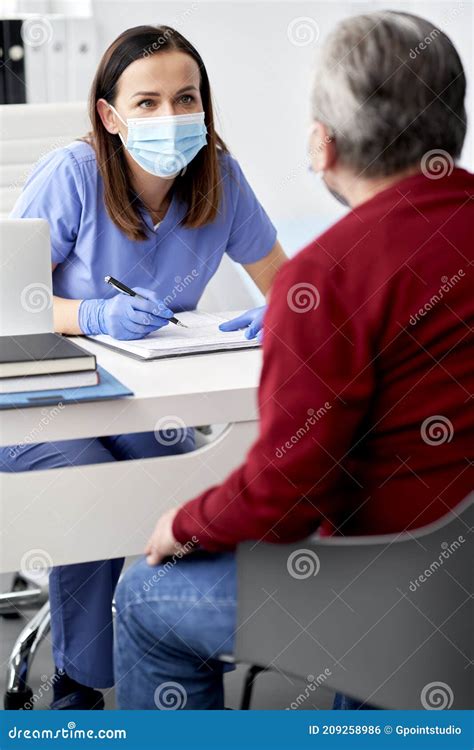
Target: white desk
(101,511)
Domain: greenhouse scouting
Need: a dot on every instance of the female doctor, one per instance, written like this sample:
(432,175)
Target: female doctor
(151,196)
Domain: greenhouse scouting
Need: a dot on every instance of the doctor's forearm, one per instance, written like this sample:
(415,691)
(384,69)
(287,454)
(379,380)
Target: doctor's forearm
(263,271)
(66,315)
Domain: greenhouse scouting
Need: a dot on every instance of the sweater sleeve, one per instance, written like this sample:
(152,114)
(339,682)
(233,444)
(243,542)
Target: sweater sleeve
(316,383)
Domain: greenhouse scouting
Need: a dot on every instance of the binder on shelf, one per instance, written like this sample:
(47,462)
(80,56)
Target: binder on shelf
(35,74)
(107,388)
(14,61)
(57,59)
(81,46)
(3,99)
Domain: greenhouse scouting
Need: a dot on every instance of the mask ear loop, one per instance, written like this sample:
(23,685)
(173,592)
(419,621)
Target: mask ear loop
(111,106)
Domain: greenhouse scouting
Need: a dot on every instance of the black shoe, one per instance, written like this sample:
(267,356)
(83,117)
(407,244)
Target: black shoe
(80,700)
(69,694)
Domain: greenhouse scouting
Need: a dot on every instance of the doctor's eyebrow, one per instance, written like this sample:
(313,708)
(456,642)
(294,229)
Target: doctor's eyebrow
(157,93)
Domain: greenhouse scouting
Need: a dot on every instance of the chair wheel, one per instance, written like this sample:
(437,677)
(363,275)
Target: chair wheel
(18,700)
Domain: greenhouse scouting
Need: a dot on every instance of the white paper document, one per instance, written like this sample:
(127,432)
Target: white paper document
(201,335)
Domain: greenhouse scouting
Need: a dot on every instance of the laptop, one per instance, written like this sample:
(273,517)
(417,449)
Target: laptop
(26,285)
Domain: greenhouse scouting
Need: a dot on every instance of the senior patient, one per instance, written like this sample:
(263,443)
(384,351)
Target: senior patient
(364,415)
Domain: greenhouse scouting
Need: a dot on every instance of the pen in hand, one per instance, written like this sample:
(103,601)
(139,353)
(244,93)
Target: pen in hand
(124,289)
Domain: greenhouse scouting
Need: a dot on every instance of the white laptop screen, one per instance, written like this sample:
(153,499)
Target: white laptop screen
(26,298)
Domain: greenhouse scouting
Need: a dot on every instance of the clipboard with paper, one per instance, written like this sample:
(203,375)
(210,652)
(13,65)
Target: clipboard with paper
(202,335)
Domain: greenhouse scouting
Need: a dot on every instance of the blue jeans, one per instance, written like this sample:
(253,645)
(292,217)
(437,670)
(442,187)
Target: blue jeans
(173,621)
(81,595)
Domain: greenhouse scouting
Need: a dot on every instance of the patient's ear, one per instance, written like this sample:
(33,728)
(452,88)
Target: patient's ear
(321,149)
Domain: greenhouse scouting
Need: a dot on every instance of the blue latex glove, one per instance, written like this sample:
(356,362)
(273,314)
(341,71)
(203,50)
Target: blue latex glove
(124,317)
(252,320)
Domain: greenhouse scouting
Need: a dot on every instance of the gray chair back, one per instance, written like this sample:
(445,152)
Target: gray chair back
(386,620)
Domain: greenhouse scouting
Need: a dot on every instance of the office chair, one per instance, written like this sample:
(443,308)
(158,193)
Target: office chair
(386,620)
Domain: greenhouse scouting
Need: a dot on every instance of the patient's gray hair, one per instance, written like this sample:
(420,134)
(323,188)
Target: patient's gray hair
(390,87)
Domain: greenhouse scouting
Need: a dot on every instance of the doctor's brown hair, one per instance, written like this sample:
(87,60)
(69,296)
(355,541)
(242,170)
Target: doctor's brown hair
(199,187)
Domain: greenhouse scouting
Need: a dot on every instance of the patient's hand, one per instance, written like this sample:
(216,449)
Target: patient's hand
(162,542)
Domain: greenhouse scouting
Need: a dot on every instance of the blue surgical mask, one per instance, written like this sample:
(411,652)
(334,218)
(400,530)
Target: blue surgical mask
(338,196)
(164,146)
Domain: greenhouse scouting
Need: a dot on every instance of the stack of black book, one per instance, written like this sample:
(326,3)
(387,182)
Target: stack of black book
(44,361)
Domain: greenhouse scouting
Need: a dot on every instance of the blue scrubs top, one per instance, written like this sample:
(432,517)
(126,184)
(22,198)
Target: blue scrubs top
(66,189)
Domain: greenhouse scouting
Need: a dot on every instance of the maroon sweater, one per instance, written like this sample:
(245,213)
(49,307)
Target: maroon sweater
(365,421)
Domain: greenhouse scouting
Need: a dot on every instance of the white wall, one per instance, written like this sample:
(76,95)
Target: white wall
(261,82)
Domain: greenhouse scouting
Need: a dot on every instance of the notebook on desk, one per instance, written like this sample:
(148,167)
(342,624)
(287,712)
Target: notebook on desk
(202,335)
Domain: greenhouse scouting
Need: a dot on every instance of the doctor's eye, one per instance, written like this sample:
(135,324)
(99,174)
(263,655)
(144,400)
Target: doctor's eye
(146,103)
(186,99)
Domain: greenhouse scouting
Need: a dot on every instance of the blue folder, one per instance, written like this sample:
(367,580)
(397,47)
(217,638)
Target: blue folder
(107,388)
